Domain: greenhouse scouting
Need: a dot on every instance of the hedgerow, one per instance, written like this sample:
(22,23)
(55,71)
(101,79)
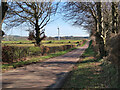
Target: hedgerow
(13,53)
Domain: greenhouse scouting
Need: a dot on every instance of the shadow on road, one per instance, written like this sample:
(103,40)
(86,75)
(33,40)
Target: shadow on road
(60,62)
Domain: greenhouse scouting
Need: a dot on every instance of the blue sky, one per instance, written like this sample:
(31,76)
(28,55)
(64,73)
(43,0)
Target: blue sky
(66,29)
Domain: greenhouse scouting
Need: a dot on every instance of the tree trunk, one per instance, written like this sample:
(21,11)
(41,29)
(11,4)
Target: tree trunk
(99,33)
(96,38)
(37,29)
(3,10)
(114,18)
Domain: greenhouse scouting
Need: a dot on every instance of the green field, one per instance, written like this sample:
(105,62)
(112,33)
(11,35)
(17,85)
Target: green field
(44,41)
(48,43)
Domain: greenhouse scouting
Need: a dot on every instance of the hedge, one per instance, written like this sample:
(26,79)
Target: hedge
(13,53)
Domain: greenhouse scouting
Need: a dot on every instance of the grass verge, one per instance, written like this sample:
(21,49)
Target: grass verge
(33,60)
(91,73)
(84,43)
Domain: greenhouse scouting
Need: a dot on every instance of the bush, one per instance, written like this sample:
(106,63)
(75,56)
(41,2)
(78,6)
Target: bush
(44,50)
(11,53)
(114,50)
(50,42)
(69,42)
(33,42)
(20,42)
(34,50)
(77,42)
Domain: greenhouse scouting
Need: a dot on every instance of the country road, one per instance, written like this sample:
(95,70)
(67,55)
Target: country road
(42,75)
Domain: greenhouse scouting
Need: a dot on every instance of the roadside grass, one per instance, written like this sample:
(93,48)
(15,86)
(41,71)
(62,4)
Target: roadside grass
(33,60)
(110,75)
(88,52)
(91,73)
(84,43)
(86,73)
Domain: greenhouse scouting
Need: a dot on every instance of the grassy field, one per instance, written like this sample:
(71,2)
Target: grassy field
(49,43)
(44,41)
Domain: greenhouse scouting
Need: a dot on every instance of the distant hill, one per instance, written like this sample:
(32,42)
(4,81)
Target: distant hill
(67,37)
(14,38)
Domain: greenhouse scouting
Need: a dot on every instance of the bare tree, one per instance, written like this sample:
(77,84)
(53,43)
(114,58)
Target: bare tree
(88,15)
(3,8)
(115,17)
(36,14)
(100,27)
(94,16)
(78,13)
(31,35)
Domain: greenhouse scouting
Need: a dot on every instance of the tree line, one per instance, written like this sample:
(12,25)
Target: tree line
(102,19)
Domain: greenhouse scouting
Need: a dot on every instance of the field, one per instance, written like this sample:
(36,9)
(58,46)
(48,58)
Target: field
(15,53)
(49,43)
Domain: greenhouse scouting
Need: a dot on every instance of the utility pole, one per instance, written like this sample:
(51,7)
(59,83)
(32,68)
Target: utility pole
(58,34)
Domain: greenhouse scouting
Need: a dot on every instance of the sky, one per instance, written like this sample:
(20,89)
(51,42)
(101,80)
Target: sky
(51,30)
(66,29)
